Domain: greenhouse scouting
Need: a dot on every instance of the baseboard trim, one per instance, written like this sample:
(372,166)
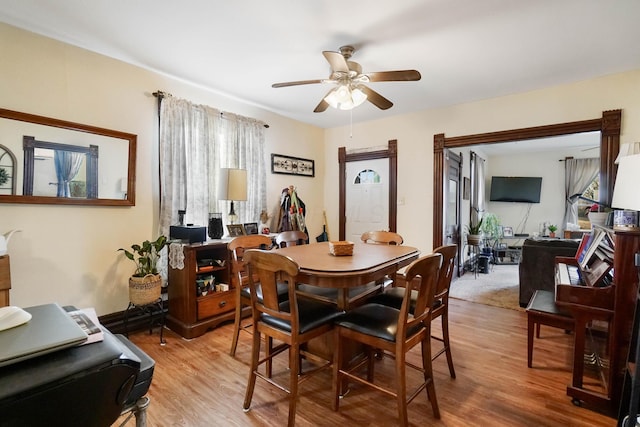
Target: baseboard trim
(137,321)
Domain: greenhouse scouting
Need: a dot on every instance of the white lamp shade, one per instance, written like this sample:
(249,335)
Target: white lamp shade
(232,184)
(625,192)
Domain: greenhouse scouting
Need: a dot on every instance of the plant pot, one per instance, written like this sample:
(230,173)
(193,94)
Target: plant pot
(474,239)
(552,234)
(598,218)
(145,290)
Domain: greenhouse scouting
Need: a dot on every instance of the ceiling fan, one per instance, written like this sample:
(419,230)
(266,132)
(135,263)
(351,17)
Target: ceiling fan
(350,90)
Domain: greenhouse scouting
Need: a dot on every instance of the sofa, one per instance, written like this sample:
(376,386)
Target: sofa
(537,264)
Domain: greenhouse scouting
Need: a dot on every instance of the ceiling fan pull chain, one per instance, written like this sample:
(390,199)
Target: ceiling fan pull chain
(350,124)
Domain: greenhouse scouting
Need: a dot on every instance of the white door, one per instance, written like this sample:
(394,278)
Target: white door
(367,197)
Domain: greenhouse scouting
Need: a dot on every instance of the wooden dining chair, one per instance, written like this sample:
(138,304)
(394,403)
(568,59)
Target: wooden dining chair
(395,332)
(292,323)
(242,295)
(394,296)
(291,238)
(382,237)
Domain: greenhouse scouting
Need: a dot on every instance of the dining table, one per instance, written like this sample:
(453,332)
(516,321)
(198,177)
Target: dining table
(368,263)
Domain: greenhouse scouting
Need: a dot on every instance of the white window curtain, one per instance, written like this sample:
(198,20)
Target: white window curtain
(67,165)
(195,142)
(578,174)
(477,187)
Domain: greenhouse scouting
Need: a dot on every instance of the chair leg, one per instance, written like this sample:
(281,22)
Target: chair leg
(236,324)
(268,350)
(255,356)
(444,319)
(294,360)
(337,364)
(530,327)
(401,384)
(428,376)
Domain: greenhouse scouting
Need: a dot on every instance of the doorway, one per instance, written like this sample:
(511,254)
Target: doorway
(391,154)
(452,195)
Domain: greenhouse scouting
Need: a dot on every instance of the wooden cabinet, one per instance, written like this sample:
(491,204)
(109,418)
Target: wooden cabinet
(5,280)
(192,311)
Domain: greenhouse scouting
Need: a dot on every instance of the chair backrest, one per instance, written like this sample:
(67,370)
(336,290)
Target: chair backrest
(291,238)
(448,253)
(382,237)
(238,246)
(425,269)
(268,268)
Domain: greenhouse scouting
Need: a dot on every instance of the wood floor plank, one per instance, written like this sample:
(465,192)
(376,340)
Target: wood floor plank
(196,383)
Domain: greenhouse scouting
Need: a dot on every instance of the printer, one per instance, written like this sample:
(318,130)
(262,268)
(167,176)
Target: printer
(87,385)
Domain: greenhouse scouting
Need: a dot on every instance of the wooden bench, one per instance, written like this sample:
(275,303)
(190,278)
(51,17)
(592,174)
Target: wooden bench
(542,310)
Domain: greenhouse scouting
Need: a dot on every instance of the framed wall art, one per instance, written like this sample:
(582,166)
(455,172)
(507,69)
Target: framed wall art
(466,188)
(292,165)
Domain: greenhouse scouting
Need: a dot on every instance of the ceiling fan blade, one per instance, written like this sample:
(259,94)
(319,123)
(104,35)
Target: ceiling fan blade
(375,98)
(301,82)
(337,61)
(394,76)
(323,105)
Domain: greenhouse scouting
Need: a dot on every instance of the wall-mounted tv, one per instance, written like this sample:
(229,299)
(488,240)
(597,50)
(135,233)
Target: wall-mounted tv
(523,189)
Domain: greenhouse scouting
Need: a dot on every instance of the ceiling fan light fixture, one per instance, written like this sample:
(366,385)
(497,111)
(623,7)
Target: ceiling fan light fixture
(345,98)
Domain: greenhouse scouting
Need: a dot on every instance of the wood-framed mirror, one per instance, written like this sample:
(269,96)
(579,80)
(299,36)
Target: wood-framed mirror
(608,125)
(65,163)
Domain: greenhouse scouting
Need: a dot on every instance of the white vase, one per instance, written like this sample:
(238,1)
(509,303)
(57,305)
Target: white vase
(598,218)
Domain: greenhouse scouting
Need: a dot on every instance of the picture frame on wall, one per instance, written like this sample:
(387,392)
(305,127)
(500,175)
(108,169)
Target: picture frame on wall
(466,188)
(235,230)
(251,228)
(288,165)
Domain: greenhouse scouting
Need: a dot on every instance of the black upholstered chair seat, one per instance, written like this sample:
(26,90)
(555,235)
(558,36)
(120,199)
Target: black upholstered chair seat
(392,297)
(376,320)
(311,314)
(283,292)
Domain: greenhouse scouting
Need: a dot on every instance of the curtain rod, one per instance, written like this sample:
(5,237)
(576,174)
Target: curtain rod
(160,95)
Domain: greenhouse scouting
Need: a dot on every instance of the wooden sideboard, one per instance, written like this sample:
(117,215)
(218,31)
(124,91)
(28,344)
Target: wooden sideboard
(191,312)
(5,280)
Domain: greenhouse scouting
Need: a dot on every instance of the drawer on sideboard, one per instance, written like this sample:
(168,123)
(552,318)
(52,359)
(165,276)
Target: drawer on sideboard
(214,304)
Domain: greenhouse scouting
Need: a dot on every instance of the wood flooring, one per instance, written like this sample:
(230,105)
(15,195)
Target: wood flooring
(196,382)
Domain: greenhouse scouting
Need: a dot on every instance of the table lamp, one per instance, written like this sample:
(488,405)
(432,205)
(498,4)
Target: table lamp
(232,185)
(625,193)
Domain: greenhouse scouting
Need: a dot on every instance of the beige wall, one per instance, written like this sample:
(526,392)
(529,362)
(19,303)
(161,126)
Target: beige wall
(68,254)
(414,132)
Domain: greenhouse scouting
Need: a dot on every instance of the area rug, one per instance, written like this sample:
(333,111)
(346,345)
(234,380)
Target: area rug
(498,288)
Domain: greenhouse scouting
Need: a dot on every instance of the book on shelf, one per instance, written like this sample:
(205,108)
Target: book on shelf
(87,319)
(589,252)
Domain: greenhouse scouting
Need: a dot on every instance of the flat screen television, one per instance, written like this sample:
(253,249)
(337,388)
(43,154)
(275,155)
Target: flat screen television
(523,189)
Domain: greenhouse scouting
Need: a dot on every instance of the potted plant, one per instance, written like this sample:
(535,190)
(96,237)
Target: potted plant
(552,230)
(474,232)
(145,283)
(490,228)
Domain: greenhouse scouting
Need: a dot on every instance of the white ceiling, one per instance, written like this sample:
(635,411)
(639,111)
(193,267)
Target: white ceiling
(466,50)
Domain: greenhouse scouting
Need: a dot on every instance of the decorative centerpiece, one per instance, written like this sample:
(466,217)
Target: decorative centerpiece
(341,248)
(145,283)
